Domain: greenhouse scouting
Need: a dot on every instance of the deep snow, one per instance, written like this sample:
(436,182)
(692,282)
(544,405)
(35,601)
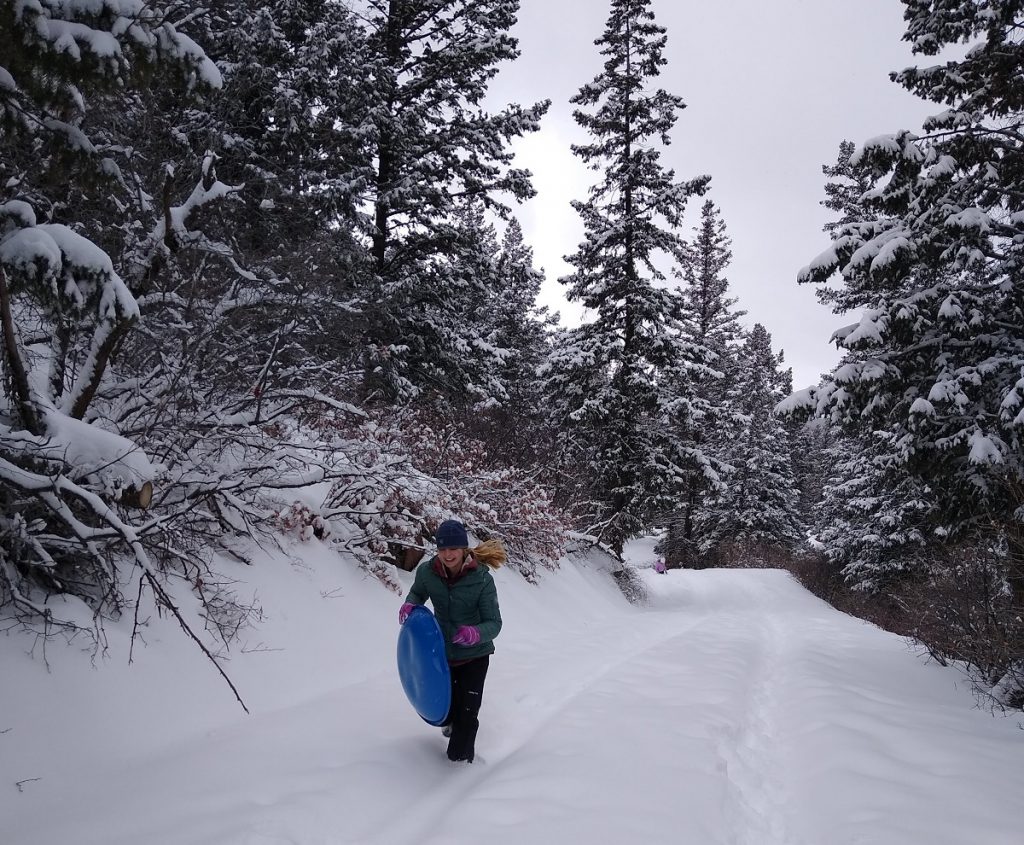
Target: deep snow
(734,707)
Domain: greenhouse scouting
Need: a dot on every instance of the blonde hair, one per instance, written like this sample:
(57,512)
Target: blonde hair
(491,553)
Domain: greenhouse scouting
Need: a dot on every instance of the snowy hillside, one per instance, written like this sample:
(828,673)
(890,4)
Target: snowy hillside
(734,708)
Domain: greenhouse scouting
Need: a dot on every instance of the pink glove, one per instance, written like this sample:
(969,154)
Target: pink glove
(404,611)
(466,635)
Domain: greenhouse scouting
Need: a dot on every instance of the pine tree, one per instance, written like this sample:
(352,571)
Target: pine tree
(872,521)
(935,262)
(521,432)
(248,287)
(430,143)
(61,473)
(809,441)
(621,381)
(711,320)
(844,193)
(710,313)
(847,190)
(758,507)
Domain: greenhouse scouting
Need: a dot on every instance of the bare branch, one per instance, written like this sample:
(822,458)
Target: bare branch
(165,600)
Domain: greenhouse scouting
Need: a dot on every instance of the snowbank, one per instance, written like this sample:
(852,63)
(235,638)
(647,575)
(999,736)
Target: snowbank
(733,708)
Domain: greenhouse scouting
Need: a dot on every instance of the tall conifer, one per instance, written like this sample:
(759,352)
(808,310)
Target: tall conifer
(934,261)
(430,146)
(710,319)
(758,505)
(710,313)
(621,379)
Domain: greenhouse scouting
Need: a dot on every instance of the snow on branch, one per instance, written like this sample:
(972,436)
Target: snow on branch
(798,401)
(65,273)
(871,329)
(171,230)
(68,28)
(823,264)
(881,251)
(985,448)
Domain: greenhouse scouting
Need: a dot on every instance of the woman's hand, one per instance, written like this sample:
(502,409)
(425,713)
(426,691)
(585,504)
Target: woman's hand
(404,611)
(466,635)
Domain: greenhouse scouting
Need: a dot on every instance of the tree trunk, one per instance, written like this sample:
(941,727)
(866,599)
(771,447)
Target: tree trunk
(15,365)
(406,558)
(99,363)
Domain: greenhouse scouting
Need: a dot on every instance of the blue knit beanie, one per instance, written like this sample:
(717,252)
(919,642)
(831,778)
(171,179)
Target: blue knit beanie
(451,534)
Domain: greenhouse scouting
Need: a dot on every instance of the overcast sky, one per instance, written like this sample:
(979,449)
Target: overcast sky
(771,89)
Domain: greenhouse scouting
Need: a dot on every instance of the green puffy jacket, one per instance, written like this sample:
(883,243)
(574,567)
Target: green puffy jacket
(471,599)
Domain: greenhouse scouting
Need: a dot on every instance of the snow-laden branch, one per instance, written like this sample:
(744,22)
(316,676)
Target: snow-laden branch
(54,493)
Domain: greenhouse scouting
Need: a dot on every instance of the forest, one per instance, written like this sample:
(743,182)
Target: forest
(248,249)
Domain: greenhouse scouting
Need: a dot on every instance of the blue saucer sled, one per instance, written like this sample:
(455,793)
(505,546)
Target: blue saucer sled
(423,667)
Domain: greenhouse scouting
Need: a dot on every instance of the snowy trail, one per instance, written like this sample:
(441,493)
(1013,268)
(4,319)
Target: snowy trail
(560,690)
(735,709)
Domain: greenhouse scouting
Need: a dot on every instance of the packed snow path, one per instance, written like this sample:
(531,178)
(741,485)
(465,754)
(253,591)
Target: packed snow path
(734,708)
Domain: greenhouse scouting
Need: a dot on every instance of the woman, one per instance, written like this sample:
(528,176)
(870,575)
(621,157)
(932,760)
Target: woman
(465,603)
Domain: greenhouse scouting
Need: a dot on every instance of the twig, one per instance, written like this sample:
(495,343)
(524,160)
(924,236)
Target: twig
(259,649)
(26,780)
(166,601)
(135,625)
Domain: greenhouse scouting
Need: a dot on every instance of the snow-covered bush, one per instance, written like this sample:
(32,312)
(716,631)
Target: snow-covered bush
(302,522)
(402,476)
(967,613)
(61,475)
(72,548)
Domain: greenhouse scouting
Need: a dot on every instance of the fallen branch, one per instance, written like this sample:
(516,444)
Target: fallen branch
(165,600)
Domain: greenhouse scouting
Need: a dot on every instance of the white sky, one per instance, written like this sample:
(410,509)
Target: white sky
(733,709)
(771,90)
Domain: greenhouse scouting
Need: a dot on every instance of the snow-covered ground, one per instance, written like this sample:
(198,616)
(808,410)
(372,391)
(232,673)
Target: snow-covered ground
(734,708)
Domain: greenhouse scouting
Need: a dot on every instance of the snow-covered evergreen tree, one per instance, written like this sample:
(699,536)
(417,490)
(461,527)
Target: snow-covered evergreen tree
(245,286)
(518,428)
(62,469)
(710,314)
(808,440)
(758,506)
(281,249)
(872,521)
(622,382)
(935,263)
(869,515)
(845,188)
(430,147)
(710,319)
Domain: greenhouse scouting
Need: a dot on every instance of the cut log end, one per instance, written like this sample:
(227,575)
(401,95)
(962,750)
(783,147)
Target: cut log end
(138,497)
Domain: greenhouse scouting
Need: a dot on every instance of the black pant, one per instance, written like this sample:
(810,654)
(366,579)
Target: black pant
(467,694)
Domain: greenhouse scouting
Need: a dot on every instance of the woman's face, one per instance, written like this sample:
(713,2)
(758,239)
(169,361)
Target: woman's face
(451,558)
